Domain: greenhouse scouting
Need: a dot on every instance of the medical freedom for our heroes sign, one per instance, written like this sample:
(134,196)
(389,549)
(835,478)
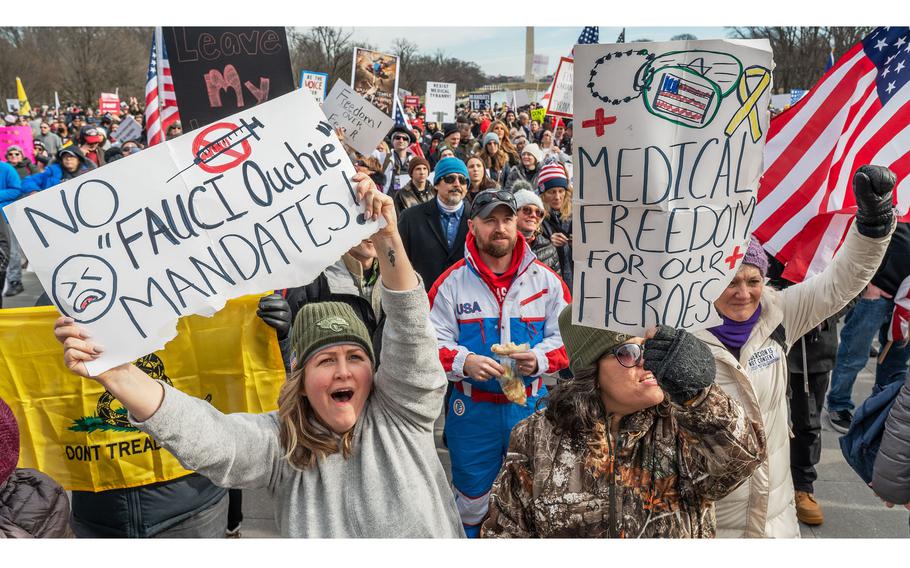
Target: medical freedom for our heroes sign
(259,200)
(668,154)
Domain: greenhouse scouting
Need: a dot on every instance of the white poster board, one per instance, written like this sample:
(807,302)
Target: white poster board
(499,98)
(364,125)
(520,98)
(128,129)
(440,102)
(12,105)
(665,180)
(258,201)
(316,82)
(560,103)
(780,101)
(539,64)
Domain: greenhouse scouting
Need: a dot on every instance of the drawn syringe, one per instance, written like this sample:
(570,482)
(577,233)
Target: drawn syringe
(214,149)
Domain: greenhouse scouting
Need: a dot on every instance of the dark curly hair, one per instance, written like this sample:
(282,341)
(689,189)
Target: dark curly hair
(575,408)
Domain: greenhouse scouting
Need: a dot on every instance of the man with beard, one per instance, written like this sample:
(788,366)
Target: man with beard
(434,232)
(498,294)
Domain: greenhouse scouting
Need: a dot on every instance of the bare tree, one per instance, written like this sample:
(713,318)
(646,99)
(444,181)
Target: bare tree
(683,37)
(326,49)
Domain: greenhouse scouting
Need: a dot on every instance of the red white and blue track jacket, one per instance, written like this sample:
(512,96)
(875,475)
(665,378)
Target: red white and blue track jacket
(469,318)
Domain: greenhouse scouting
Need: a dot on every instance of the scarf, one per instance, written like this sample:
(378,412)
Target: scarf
(734,334)
(498,283)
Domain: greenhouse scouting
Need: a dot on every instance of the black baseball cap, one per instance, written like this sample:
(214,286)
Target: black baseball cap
(488,200)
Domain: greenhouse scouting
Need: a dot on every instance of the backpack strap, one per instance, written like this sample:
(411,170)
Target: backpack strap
(779,335)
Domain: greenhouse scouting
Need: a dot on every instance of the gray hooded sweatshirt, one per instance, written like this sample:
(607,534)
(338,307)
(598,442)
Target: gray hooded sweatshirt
(392,485)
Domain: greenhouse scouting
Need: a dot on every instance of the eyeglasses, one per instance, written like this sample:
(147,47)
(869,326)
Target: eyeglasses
(13,154)
(532,211)
(629,355)
(452,178)
(405,138)
(485,197)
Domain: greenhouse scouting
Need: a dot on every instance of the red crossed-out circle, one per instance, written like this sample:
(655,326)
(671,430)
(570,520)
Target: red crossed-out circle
(234,156)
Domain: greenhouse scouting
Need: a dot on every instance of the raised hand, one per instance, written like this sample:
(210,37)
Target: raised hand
(276,313)
(873,188)
(682,365)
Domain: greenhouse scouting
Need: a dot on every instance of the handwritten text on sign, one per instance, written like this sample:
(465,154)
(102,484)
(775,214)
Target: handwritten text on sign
(364,125)
(669,140)
(260,200)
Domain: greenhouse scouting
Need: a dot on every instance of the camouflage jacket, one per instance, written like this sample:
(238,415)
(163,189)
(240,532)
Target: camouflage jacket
(671,463)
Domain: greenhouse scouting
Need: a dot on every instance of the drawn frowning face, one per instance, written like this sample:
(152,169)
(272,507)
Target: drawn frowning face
(84,287)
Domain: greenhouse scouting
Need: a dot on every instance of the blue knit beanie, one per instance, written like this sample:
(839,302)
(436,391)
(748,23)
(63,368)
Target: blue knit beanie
(450,165)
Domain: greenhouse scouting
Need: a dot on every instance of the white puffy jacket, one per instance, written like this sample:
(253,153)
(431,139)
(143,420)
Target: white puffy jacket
(764,505)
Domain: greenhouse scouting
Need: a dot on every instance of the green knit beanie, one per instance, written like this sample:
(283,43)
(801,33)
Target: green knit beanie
(327,323)
(586,345)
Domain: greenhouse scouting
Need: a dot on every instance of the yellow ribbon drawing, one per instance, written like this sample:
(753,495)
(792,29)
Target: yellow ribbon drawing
(749,100)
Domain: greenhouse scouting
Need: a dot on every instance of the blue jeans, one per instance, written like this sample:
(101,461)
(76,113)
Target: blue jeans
(867,318)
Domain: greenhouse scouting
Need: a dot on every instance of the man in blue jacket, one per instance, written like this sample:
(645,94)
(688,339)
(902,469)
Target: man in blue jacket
(10,190)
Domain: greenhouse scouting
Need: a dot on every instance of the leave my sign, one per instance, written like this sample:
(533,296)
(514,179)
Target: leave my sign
(261,200)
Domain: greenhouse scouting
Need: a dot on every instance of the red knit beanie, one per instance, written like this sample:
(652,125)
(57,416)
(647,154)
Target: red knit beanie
(9,442)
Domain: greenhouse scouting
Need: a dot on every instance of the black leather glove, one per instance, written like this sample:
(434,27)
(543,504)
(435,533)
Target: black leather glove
(873,188)
(682,364)
(274,311)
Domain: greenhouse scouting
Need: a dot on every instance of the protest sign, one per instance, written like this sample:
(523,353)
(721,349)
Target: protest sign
(257,201)
(128,129)
(19,136)
(316,82)
(520,98)
(219,71)
(364,125)
(539,114)
(78,433)
(411,101)
(560,103)
(668,154)
(501,98)
(375,77)
(539,65)
(480,101)
(12,105)
(109,102)
(440,102)
(781,101)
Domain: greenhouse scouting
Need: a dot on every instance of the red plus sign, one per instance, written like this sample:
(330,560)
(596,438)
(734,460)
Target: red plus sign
(598,122)
(731,260)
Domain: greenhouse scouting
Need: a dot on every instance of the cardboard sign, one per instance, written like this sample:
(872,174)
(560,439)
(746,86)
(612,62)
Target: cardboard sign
(500,98)
(12,105)
(539,114)
(411,101)
(220,71)
(17,136)
(539,65)
(375,77)
(128,129)
(364,125)
(480,101)
(75,431)
(109,102)
(664,180)
(316,82)
(258,201)
(561,90)
(520,98)
(440,102)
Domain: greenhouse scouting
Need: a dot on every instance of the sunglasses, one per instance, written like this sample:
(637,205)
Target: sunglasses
(504,197)
(452,178)
(532,211)
(629,355)
(405,138)
(13,154)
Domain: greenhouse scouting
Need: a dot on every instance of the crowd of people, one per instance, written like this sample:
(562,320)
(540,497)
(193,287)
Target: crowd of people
(461,306)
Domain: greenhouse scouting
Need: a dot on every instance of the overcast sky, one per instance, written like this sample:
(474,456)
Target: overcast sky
(501,50)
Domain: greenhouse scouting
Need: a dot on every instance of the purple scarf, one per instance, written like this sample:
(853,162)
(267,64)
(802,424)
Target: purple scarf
(734,334)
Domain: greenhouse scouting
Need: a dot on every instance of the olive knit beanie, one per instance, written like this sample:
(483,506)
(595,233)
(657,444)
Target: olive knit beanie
(9,442)
(586,345)
(322,324)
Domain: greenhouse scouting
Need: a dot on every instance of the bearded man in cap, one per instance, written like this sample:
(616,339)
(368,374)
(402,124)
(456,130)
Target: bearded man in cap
(498,294)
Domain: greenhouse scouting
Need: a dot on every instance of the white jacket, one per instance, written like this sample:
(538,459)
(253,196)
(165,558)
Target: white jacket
(764,505)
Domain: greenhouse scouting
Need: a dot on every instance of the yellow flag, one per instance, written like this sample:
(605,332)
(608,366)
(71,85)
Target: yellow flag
(76,432)
(24,108)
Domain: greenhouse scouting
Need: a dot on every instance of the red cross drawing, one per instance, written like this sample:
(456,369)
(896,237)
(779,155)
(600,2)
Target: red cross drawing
(598,122)
(731,260)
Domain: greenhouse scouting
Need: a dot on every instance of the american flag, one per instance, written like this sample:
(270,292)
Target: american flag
(684,99)
(590,34)
(157,119)
(857,114)
(400,120)
(899,330)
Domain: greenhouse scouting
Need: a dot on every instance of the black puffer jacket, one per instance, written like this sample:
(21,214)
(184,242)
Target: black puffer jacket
(32,505)
(546,253)
(891,477)
(554,223)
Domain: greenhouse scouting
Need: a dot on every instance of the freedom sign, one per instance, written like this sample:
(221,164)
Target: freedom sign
(257,201)
(668,154)
(363,124)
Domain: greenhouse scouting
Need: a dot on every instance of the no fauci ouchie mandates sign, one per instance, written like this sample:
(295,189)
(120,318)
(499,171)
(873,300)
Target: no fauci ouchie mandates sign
(259,200)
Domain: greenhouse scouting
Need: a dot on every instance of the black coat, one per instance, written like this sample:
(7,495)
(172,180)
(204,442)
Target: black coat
(421,232)
(895,267)
(552,224)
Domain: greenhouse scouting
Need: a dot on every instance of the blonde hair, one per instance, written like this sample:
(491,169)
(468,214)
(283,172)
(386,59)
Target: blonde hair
(303,441)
